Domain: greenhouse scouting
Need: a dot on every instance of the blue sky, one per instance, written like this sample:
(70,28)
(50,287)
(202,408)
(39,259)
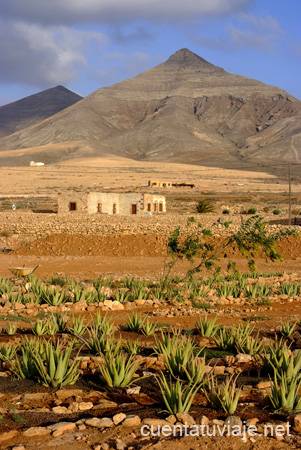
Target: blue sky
(87,44)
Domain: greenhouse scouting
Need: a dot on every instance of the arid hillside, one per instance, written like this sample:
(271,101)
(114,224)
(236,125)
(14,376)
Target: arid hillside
(184,110)
(33,109)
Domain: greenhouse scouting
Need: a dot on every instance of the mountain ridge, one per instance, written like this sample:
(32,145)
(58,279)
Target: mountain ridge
(183,110)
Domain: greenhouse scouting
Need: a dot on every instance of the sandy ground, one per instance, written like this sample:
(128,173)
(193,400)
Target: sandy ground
(97,174)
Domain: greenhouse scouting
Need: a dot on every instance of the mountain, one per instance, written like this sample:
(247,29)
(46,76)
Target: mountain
(30,110)
(183,110)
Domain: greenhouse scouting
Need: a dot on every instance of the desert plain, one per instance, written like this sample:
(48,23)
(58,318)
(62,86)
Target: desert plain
(84,249)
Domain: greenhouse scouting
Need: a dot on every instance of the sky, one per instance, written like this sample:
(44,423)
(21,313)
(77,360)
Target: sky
(88,44)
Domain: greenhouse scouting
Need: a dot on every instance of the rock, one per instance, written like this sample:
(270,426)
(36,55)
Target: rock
(171,419)
(204,420)
(120,445)
(58,429)
(155,423)
(118,418)
(243,358)
(219,370)
(85,406)
(34,397)
(251,422)
(131,421)
(18,447)
(263,385)
(297,423)
(62,394)
(95,422)
(134,390)
(36,431)
(233,421)
(60,410)
(185,418)
(8,435)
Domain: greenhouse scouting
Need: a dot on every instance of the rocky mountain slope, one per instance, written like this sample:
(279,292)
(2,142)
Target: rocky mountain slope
(183,110)
(30,110)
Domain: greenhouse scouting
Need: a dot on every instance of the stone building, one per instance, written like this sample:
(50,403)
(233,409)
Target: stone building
(111,203)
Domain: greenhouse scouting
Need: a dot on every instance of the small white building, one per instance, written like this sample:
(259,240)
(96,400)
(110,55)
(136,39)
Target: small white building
(36,164)
(111,203)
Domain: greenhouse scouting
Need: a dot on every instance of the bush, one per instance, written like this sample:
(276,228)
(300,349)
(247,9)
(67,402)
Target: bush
(277,211)
(251,210)
(204,206)
(226,211)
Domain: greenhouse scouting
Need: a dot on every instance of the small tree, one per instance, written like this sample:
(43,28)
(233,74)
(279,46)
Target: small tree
(251,238)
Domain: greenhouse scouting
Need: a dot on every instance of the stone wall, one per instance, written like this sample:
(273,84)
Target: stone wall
(32,225)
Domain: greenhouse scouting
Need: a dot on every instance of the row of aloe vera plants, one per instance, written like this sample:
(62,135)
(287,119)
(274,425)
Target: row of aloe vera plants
(130,289)
(186,374)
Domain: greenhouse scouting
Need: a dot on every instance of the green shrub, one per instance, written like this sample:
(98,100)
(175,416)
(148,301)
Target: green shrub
(251,210)
(276,212)
(226,211)
(177,397)
(204,206)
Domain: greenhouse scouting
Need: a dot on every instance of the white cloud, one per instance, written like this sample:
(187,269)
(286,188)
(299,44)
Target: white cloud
(118,66)
(110,11)
(258,32)
(42,56)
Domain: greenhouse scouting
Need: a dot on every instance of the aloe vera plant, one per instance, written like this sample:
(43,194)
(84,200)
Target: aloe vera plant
(121,295)
(285,394)
(135,322)
(5,286)
(99,343)
(77,326)
(222,396)
(132,347)
(178,354)
(7,352)
(54,296)
(287,329)
(290,289)
(148,328)
(177,397)
(55,368)
(118,370)
(206,327)
(104,325)
(11,329)
(25,367)
(282,362)
(40,327)
(249,345)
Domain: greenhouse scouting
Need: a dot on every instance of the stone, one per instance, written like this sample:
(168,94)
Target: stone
(62,394)
(155,423)
(184,417)
(95,422)
(204,420)
(60,410)
(263,385)
(19,447)
(85,406)
(58,429)
(243,358)
(251,422)
(297,423)
(131,421)
(134,390)
(118,418)
(36,431)
(8,435)
(171,419)
(34,397)
(232,421)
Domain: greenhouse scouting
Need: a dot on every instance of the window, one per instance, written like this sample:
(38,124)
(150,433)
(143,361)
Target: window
(72,206)
(161,207)
(149,207)
(134,209)
(99,208)
(114,208)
